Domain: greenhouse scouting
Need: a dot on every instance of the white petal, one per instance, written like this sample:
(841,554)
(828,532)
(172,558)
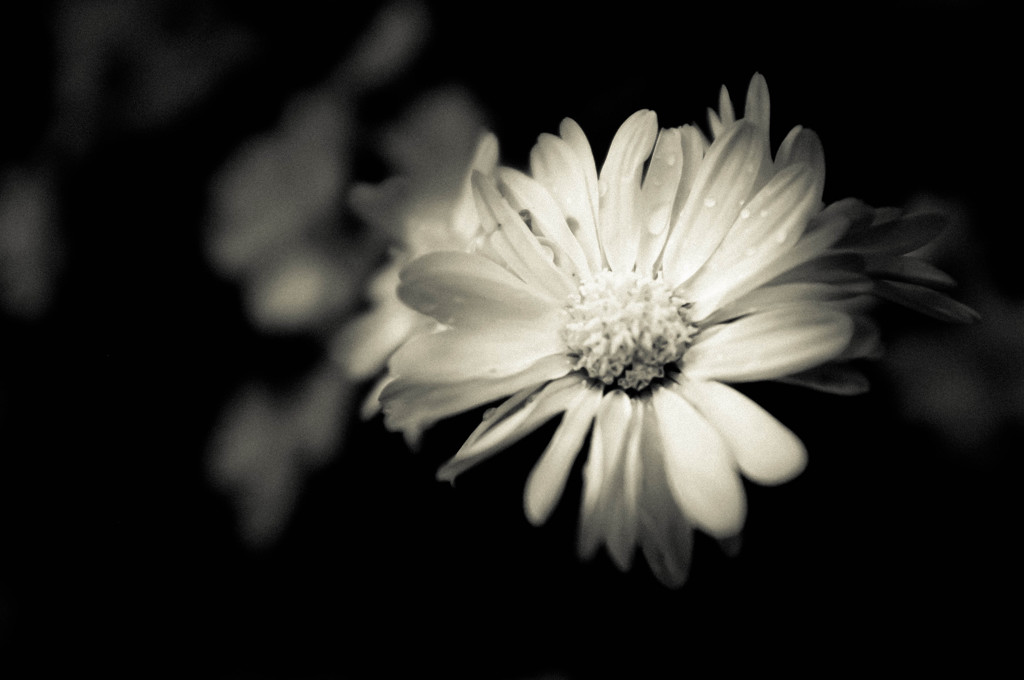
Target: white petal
(764,231)
(465,221)
(802,146)
(729,175)
(692,147)
(547,479)
(783,294)
(654,210)
(409,405)
(823,230)
(573,135)
(456,355)
(698,466)
(363,345)
(619,188)
(468,290)
(603,513)
(769,345)
(757,109)
(566,169)
(525,193)
(518,247)
(765,451)
(665,534)
(516,417)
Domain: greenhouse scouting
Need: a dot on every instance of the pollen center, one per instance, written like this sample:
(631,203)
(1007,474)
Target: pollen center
(624,328)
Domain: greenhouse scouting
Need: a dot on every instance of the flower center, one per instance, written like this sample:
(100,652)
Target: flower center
(624,328)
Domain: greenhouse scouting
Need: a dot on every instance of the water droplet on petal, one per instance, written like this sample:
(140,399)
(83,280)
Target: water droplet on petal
(489,413)
(709,202)
(780,236)
(744,214)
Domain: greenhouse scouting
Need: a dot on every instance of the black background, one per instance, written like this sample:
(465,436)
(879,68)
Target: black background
(892,548)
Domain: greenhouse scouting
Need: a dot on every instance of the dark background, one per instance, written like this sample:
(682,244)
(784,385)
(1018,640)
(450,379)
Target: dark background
(894,547)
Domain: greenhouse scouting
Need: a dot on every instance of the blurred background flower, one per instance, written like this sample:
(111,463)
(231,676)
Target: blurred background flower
(144,139)
(280,228)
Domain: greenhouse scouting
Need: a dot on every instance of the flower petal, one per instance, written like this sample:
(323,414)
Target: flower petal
(831,378)
(516,417)
(512,240)
(769,345)
(665,534)
(728,176)
(565,167)
(698,466)
(895,233)
(619,187)
(455,355)
(657,198)
(765,451)
(691,146)
(823,230)
(764,231)
(410,405)
(468,290)
(757,107)
(926,301)
(907,269)
(547,479)
(525,193)
(608,508)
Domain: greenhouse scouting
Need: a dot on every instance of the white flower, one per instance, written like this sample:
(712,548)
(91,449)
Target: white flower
(627,301)
(427,206)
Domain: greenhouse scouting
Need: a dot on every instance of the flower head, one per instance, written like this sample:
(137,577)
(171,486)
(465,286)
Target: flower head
(627,301)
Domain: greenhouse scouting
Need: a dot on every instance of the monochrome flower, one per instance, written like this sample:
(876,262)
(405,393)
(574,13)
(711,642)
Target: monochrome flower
(426,206)
(628,301)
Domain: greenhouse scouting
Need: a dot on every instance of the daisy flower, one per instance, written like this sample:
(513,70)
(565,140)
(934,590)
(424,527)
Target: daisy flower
(426,206)
(628,301)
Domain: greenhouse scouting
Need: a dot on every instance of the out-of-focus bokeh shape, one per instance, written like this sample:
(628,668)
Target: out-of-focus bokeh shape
(135,64)
(267,443)
(965,384)
(278,227)
(31,252)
